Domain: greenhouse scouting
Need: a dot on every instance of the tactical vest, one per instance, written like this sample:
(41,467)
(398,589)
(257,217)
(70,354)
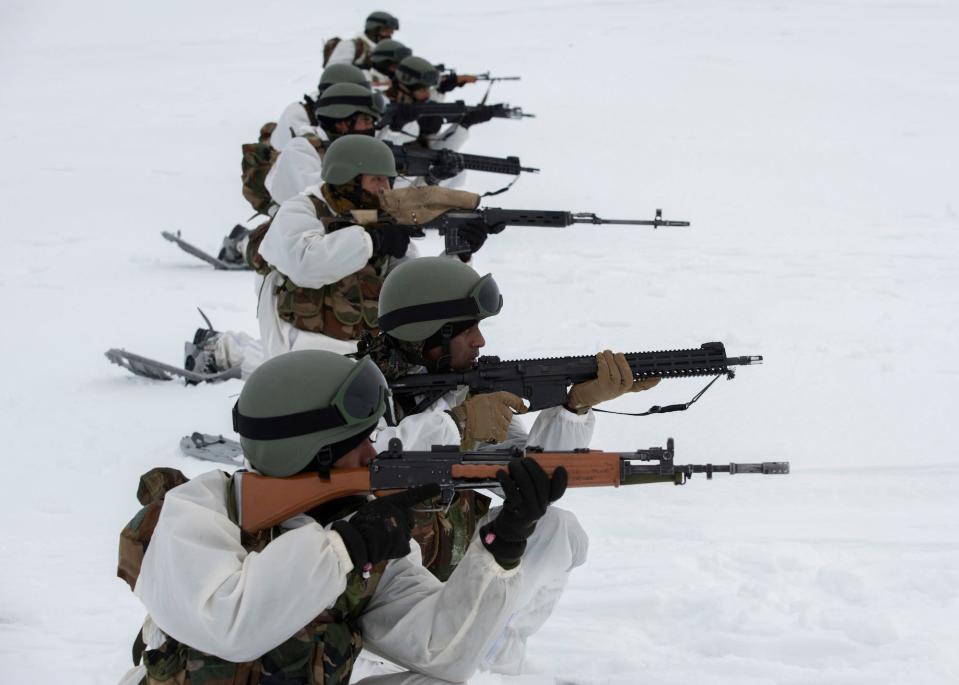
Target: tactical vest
(341,310)
(257,160)
(321,653)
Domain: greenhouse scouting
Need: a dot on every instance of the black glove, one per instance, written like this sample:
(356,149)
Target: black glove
(389,240)
(448,165)
(528,492)
(478,116)
(475,232)
(380,530)
(430,125)
(402,115)
(448,82)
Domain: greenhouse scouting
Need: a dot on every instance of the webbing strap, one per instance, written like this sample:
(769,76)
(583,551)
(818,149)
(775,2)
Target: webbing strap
(668,408)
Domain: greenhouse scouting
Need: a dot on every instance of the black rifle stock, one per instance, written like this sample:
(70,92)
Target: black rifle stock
(544,382)
(448,224)
(266,501)
(417,161)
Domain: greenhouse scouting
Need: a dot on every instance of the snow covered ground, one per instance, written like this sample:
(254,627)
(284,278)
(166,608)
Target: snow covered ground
(813,145)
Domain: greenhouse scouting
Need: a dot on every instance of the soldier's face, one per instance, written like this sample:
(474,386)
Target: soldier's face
(421,94)
(358,457)
(464,349)
(361,123)
(374,184)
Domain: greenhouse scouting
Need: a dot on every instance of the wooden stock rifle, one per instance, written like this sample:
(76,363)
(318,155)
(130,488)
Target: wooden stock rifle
(266,501)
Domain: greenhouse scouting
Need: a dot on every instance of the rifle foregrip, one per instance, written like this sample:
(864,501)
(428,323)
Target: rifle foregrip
(586,469)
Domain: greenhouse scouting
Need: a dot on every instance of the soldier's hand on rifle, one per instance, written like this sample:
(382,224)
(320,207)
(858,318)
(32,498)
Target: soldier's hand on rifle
(453,80)
(403,114)
(613,378)
(486,418)
(529,491)
(389,240)
(477,116)
(449,165)
(645,384)
(474,233)
(380,530)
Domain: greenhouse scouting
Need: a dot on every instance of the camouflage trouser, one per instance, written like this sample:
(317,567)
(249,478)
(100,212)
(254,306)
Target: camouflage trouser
(444,536)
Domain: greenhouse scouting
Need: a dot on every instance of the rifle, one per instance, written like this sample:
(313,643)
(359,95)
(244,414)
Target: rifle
(485,76)
(543,382)
(416,161)
(449,223)
(266,501)
(493,79)
(451,111)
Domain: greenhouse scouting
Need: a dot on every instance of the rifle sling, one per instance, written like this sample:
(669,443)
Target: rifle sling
(668,408)
(491,193)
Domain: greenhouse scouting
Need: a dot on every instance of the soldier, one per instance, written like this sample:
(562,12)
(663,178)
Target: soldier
(416,81)
(384,59)
(324,283)
(295,603)
(379,26)
(299,118)
(341,109)
(429,315)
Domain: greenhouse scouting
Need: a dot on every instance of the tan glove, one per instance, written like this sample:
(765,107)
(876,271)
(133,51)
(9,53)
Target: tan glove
(486,417)
(613,378)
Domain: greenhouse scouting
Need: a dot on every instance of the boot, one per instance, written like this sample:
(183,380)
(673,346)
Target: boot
(234,245)
(200,355)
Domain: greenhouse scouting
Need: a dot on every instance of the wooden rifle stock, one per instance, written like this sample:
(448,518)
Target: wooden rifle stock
(266,501)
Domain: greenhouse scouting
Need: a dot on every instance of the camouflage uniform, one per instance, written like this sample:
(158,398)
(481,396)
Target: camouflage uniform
(322,652)
(341,310)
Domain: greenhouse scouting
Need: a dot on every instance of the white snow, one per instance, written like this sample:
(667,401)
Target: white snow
(814,147)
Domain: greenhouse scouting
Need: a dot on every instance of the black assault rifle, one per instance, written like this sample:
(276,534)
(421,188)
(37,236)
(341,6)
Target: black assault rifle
(448,224)
(544,382)
(451,111)
(266,501)
(417,161)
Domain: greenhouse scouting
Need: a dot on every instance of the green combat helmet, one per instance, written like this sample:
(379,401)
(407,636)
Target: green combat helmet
(343,100)
(380,20)
(415,72)
(341,73)
(353,155)
(308,407)
(388,53)
(422,296)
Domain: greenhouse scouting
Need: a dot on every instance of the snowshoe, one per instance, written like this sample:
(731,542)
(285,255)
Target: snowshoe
(219,264)
(151,368)
(212,448)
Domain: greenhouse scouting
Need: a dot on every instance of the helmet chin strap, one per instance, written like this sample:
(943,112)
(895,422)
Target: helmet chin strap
(445,363)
